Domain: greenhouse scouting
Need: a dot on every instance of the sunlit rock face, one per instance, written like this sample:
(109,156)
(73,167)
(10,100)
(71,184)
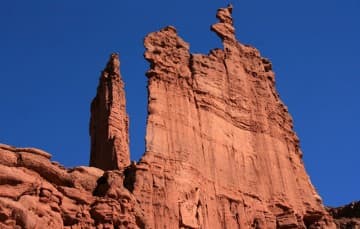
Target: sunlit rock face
(220,147)
(221,151)
(38,193)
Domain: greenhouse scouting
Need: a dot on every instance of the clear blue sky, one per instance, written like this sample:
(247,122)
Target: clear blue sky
(52,52)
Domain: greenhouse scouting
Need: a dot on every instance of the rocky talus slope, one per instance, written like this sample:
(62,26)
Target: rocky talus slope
(220,151)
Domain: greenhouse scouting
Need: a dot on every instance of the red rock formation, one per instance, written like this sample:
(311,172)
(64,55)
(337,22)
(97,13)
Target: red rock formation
(220,147)
(220,151)
(37,193)
(109,123)
(346,217)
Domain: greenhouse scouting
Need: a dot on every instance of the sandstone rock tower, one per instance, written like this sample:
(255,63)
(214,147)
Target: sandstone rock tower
(109,121)
(220,147)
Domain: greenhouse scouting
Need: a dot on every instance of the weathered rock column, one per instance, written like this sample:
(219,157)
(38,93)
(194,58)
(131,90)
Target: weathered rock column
(221,151)
(109,122)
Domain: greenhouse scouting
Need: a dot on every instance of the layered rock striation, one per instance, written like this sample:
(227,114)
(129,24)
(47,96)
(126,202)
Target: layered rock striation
(221,151)
(109,122)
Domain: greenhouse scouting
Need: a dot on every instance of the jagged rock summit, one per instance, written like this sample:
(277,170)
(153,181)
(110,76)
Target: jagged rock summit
(220,151)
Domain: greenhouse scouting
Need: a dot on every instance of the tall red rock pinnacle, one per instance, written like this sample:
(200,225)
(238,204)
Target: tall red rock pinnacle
(109,123)
(221,151)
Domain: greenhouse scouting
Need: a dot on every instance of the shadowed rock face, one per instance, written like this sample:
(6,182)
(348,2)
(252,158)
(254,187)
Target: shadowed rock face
(220,151)
(109,123)
(348,216)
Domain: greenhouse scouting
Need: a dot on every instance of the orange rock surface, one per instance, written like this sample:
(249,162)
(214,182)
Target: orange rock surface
(38,193)
(221,151)
(220,147)
(109,122)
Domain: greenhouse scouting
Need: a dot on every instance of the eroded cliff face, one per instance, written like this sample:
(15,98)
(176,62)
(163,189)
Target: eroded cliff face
(220,151)
(220,147)
(109,122)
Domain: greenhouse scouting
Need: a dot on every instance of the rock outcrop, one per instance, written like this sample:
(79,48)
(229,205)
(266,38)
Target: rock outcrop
(38,193)
(348,216)
(109,122)
(221,151)
(220,147)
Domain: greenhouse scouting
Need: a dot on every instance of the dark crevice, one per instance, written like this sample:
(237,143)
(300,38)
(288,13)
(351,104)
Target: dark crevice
(101,187)
(130,177)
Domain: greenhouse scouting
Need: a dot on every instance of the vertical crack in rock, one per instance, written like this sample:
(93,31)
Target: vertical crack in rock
(216,127)
(109,123)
